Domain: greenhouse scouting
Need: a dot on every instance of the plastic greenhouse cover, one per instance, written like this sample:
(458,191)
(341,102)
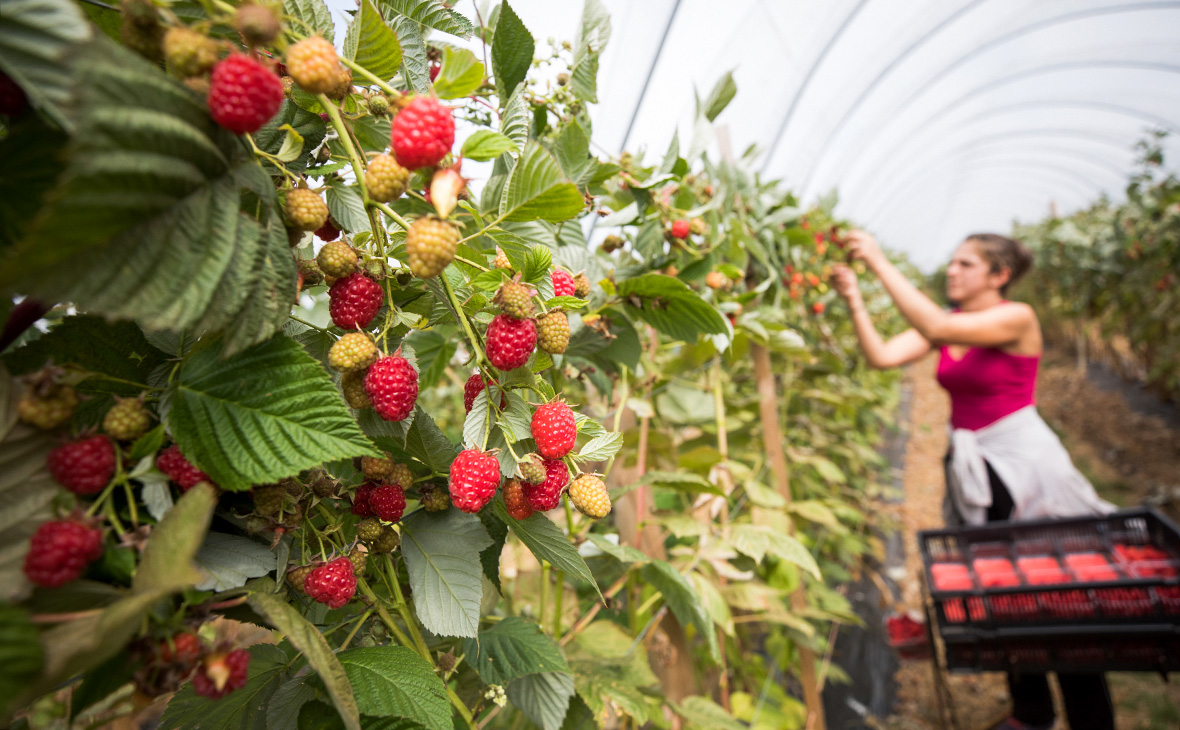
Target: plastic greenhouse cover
(931,118)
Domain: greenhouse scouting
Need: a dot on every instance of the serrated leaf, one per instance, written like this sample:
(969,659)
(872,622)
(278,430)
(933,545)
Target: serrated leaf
(372,44)
(291,135)
(432,14)
(757,541)
(667,304)
(513,648)
(347,207)
(415,62)
(512,49)
(394,681)
(242,709)
(20,653)
(713,602)
(228,561)
(538,261)
(442,557)
(260,416)
(434,354)
(601,448)
(426,442)
(622,553)
(489,557)
(537,189)
(147,444)
(156,496)
(515,121)
(311,16)
(703,713)
(282,712)
(461,74)
(544,697)
(588,46)
(487,145)
(573,152)
(566,302)
(36,39)
(719,98)
(516,420)
(606,670)
(478,425)
(682,599)
(306,637)
(547,542)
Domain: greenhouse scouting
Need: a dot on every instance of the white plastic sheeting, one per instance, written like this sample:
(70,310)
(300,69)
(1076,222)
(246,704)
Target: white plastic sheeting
(933,118)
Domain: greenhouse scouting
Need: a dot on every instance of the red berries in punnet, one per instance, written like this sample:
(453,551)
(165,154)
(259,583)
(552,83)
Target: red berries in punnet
(563,283)
(353,301)
(547,495)
(388,502)
(510,341)
(554,429)
(222,673)
(392,386)
(474,477)
(179,469)
(243,94)
(59,552)
(680,229)
(422,133)
(333,584)
(84,466)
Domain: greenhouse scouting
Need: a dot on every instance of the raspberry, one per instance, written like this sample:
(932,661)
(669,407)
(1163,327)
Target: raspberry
(343,85)
(188,52)
(401,475)
(328,231)
(553,332)
(472,387)
(179,469)
(514,500)
(268,498)
(337,259)
(554,429)
(49,409)
(141,30)
(422,133)
(360,501)
(243,94)
(385,179)
(378,468)
(717,280)
(581,286)
(257,24)
(127,420)
(434,499)
(333,584)
(352,352)
(356,556)
(310,272)
(387,541)
(532,469)
(298,576)
(474,478)
(501,261)
(84,466)
(610,244)
(817,308)
(353,387)
(563,283)
(222,673)
(697,226)
(378,105)
(353,301)
(184,649)
(589,495)
(12,97)
(307,211)
(314,65)
(680,229)
(510,341)
(368,529)
(430,246)
(516,300)
(392,385)
(547,495)
(388,502)
(59,552)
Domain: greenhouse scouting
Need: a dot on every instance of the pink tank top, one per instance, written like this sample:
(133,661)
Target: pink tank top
(987,384)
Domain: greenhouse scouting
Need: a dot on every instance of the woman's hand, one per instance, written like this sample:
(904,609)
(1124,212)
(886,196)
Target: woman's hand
(863,246)
(845,284)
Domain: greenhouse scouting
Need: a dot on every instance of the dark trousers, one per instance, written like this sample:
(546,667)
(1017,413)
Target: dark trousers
(1087,697)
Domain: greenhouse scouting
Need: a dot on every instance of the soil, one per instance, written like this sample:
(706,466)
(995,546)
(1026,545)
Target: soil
(1126,445)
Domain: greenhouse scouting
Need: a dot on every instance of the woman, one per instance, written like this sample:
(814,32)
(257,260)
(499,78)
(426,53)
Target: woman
(1004,461)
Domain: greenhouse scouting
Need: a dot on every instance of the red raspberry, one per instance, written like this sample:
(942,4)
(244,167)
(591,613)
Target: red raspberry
(514,501)
(422,133)
(353,301)
(680,229)
(563,283)
(328,231)
(243,94)
(510,341)
(547,495)
(554,430)
(333,584)
(59,552)
(474,478)
(179,469)
(472,387)
(183,648)
(388,501)
(392,386)
(817,308)
(360,501)
(222,673)
(84,466)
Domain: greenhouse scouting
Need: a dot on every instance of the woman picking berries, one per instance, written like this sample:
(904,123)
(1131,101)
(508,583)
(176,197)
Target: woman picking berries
(1004,463)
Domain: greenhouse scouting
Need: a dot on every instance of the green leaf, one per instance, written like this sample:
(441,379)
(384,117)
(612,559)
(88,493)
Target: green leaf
(703,713)
(487,145)
(538,261)
(37,38)
(311,15)
(536,189)
(683,600)
(432,14)
(478,424)
(489,557)
(283,710)
(262,415)
(434,354)
(99,683)
(667,304)
(291,135)
(544,697)
(20,653)
(442,557)
(426,442)
(606,670)
(243,709)
(513,648)
(588,46)
(394,681)
(566,302)
(306,637)
(516,419)
(601,448)
(228,561)
(713,602)
(622,553)
(682,481)
(461,74)
(415,63)
(547,542)
(347,207)
(719,98)
(573,152)
(514,122)
(512,49)
(757,541)
(372,44)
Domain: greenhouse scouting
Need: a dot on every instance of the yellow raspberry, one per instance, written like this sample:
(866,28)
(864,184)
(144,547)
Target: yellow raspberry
(354,352)
(589,495)
(430,246)
(188,53)
(306,210)
(314,65)
(401,475)
(353,386)
(385,179)
(501,261)
(337,259)
(553,333)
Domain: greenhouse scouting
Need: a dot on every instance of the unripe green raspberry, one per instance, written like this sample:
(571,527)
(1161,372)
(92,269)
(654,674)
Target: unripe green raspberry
(532,469)
(314,65)
(378,105)
(377,469)
(306,210)
(563,79)
(127,420)
(353,386)
(553,332)
(337,259)
(268,499)
(401,475)
(434,499)
(387,541)
(322,484)
(257,24)
(369,529)
(312,275)
(430,246)
(357,558)
(188,52)
(141,30)
(589,495)
(48,408)
(581,285)
(385,179)
(516,300)
(297,576)
(352,353)
(501,261)
(610,244)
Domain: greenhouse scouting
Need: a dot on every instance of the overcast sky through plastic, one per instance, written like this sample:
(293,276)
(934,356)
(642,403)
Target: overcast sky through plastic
(933,119)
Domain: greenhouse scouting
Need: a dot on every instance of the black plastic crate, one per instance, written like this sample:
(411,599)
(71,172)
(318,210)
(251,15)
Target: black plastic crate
(1110,570)
(1106,649)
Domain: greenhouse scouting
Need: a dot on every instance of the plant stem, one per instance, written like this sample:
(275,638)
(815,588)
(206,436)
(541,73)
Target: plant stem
(589,615)
(479,356)
(544,591)
(375,80)
(391,213)
(342,134)
(309,324)
(559,581)
(472,263)
(356,628)
(485,229)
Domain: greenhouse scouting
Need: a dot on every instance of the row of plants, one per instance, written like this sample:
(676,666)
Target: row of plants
(1106,277)
(290,372)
